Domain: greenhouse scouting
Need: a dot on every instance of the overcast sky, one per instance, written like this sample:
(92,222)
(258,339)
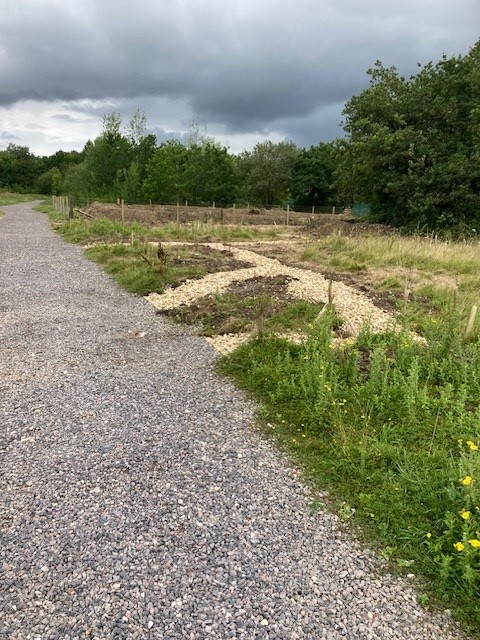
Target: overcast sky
(248,70)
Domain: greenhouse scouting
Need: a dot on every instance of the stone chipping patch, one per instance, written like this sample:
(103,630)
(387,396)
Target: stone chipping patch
(355,308)
(136,501)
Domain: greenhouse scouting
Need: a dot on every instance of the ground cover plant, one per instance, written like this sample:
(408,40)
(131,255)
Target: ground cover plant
(254,306)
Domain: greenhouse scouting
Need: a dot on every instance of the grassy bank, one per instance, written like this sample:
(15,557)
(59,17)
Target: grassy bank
(87,231)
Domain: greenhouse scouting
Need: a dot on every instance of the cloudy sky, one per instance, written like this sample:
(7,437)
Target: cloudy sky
(248,70)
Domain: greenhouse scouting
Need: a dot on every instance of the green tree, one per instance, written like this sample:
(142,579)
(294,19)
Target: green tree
(49,182)
(313,175)
(209,174)
(19,168)
(412,145)
(201,173)
(164,175)
(266,171)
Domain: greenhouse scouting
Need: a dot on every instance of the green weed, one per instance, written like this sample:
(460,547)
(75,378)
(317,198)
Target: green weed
(137,268)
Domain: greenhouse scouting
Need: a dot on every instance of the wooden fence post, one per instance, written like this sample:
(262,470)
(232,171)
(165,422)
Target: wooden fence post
(70,206)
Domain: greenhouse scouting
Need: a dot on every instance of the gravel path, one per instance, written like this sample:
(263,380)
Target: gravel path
(135,502)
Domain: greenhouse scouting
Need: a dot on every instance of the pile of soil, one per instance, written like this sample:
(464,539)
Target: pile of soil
(325,224)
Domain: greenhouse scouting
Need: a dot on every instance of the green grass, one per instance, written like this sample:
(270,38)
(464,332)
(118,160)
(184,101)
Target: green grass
(378,422)
(88,231)
(436,273)
(7,197)
(233,313)
(362,252)
(127,266)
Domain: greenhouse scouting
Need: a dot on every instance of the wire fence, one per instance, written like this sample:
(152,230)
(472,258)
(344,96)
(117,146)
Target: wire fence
(67,203)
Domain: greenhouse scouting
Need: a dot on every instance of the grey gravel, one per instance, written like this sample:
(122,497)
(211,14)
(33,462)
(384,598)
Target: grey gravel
(136,502)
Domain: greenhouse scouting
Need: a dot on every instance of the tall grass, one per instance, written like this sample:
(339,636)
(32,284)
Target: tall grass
(434,272)
(87,231)
(397,251)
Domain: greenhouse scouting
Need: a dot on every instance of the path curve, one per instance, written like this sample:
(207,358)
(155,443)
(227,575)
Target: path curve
(134,500)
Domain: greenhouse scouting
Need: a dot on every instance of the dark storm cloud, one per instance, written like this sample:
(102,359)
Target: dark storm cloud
(245,65)
(5,135)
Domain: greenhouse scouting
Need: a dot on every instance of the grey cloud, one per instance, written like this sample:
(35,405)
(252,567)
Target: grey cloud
(246,65)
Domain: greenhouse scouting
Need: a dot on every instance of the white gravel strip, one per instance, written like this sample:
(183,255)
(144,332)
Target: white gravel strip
(135,502)
(355,308)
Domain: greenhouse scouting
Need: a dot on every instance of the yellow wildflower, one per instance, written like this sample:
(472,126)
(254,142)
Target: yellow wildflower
(466,480)
(465,514)
(472,446)
(459,546)
(428,535)
(475,543)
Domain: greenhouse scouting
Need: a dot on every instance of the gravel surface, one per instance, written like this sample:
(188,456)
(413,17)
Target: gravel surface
(135,501)
(352,305)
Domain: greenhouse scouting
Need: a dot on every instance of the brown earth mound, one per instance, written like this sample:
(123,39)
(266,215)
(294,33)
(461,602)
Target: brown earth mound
(325,224)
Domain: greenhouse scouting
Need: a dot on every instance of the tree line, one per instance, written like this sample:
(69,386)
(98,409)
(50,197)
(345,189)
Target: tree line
(126,162)
(411,152)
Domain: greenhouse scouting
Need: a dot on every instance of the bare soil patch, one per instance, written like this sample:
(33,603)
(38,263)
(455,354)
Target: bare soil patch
(201,255)
(244,303)
(345,225)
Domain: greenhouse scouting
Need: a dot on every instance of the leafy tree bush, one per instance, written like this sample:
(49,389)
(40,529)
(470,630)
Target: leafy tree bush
(313,175)
(412,150)
(203,172)
(266,171)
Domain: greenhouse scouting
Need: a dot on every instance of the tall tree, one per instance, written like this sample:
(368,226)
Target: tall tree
(19,168)
(412,145)
(164,173)
(267,170)
(313,175)
(203,172)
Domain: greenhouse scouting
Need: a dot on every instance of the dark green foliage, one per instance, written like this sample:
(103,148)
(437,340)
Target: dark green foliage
(312,175)
(413,145)
(201,173)
(164,173)
(19,169)
(266,172)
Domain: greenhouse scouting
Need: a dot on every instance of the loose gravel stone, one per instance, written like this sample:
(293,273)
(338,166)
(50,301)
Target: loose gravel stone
(135,501)
(355,308)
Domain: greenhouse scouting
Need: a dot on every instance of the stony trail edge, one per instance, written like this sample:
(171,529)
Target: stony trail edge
(135,502)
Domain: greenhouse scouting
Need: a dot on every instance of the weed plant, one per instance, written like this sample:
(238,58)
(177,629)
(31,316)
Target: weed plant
(391,426)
